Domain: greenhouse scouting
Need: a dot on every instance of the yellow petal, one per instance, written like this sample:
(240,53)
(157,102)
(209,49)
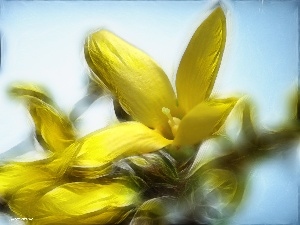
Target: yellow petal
(30,90)
(77,203)
(133,77)
(55,128)
(203,120)
(28,195)
(15,175)
(201,61)
(121,140)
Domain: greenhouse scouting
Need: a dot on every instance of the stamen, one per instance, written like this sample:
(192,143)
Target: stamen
(173,121)
(167,112)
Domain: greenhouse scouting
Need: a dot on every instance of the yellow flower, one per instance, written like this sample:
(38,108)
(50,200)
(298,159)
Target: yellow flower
(144,91)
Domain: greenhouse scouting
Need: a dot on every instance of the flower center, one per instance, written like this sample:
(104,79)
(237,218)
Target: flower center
(173,121)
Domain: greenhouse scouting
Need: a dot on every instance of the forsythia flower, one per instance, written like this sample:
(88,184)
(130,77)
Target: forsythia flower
(144,91)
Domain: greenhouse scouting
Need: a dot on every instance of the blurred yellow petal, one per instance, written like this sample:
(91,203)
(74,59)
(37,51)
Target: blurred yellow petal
(203,120)
(52,126)
(133,77)
(55,128)
(30,90)
(28,195)
(123,139)
(201,61)
(78,198)
(15,175)
(76,203)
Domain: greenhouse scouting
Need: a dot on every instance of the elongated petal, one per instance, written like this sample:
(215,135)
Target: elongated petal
(80,197)
(201,61)
(134,78)
(121,140)
(202,121)
(16,175)
(52,126)
(30,90)
(76,203)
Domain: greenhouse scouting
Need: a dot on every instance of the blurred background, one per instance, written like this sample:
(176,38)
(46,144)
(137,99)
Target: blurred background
(42,42)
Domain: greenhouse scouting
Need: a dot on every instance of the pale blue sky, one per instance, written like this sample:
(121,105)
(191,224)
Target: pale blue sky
(43,42)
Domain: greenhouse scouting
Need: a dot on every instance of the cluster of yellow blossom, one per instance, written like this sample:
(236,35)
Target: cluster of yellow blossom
(75,184)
